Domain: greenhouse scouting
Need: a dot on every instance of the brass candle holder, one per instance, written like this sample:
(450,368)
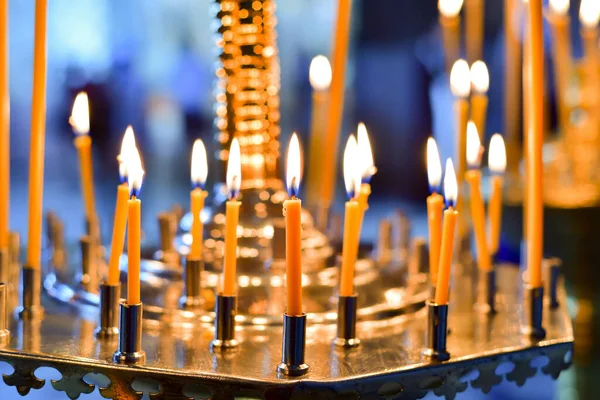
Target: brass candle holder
(293,346)
(110,297)
(192,299)
(225,312)
(32,292)
(130,335)
(4,331)
(437,331)
(346,322)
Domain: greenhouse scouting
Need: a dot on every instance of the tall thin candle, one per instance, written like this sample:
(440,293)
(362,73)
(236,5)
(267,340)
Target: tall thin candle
(435,207)
(4,129)
(561,45)
(232,216)
(450,23)
(589,14)
(199,172)
(474,28)
(497,165)
(460,84)
(480,83)
(134,216)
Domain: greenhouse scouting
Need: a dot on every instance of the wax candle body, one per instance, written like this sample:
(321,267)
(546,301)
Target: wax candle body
(317,137)
(118,235)
(512,76)
(451,39)
(592,64)
(561,46)
(4,129)
(336,103)
(435,208)
(461,112)
(38,136)
(474,10)
(350,247)
(535,207)
(133,250)
(293,255)
(232,217)
(443,280)
(495,213)
(83,144)
(197,197)
(479,106)
(473,177)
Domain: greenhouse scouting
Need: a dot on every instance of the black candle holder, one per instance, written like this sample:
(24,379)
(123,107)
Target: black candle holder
(346,322)
(486,292)
(130,335)
(32,292)
(437,331)
(293,347)
(225,312)
(533,311)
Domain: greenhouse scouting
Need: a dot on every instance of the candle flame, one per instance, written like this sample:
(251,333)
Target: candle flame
(234,169)
(450,184)
(365,154)
(473,146)
(80,115)
(127,146)
(434,165)
(320,73)
(497,154)
(293,167)
(352,171)
(460,79)
(450,8)
(560,7)
(199,170)
(589,13)
(135,171)
(480,77)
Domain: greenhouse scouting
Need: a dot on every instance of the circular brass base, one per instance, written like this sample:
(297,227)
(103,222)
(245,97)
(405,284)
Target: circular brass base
(292,370)
(138,357)
(436,355)
(217,345)
(347,343)
(109,332)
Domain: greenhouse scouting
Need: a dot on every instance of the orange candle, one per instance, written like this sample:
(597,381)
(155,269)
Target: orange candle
(460,84)
(134,205)
(474,12)
(535,166)
(497,165)
(352,218)
(232,216)
(4,129)
(480,83)
(121,209)
(38,136)
(473,177)
(512,78)
(292,210)
(197,196)
(589,14)
(80,121)
(442,287)
(320,80)
(560,22)
(435,207)
(336,102)
(450,23)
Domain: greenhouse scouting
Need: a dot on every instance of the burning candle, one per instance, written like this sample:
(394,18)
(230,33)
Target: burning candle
(497,165)
(4,129)
(589,14)
(199,172)
(232,217)
(460,84)
(474,12)
(135,175)
(450,23)
(292,210)
(473,177)
(480,83)
(535,166)
(367,166)
(121,208)
(435,207)
(38,136)
(560,23)
(320,80)
(80,121)
(336,102)
(450,216)
(352,180)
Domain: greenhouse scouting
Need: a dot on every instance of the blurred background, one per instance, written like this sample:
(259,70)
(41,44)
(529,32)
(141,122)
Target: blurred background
(151,65)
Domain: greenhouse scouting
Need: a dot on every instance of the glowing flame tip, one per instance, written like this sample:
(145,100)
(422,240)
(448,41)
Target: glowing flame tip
(450,184)
(473,146)
(434,165)
(320,73)
(234,170)
(293,167)
(199,169)
(497,154)
(80,115)
(460,79)
(352,170)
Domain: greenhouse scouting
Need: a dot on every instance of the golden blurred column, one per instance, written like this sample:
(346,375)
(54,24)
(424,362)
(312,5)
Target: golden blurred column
(512,76)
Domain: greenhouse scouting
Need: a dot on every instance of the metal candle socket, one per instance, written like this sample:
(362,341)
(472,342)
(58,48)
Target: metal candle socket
(130,335)
(552,269)
(437,331)
(533,313)
(110,297)
(293,348)
(192,300)
(32,291)
(4,332)
(4,265)
(486,292)
(225,311)
(346,322)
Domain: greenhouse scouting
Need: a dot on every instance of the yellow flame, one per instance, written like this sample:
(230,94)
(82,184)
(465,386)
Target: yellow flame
(589,13)
(560,7)
(320,73)
(450,8)
(135,170)
(497,154)
(473,145)
(293,165)
(199,170)
(80,115)
(460,79)
(480,77)
(434,164)
(352,172)
(234,169)
(127,146)
(365,153)
(450,184)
